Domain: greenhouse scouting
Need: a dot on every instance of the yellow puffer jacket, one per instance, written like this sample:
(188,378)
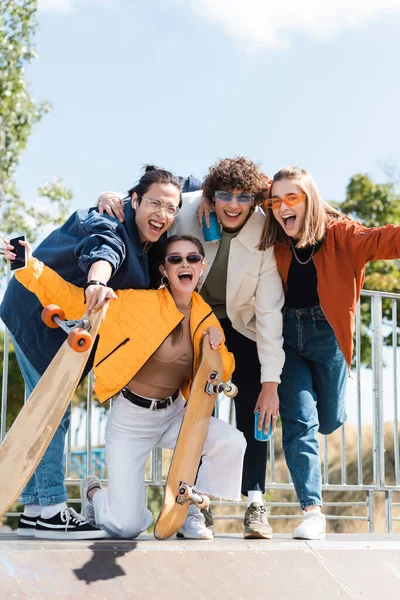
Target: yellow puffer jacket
(135,326)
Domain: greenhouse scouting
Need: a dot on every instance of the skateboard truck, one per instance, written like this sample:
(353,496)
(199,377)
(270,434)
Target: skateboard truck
(79,338)
(214,386)
(187,492)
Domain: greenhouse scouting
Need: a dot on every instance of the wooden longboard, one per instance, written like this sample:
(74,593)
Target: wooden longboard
(32,431)
(189,446)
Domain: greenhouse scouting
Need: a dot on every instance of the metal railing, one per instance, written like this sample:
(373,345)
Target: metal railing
(343,464)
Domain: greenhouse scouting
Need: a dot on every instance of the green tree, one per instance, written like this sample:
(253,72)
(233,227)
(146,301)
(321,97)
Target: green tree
(375,205)
(19,113)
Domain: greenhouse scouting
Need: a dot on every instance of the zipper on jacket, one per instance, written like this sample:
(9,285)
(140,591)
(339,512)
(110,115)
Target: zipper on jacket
(202,321)
(112,351)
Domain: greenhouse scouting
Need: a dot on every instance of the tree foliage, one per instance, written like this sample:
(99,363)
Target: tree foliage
(375,205)
(19,113)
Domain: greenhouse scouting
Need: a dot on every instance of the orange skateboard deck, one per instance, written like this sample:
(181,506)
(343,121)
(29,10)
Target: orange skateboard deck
(193,432)
(30,434)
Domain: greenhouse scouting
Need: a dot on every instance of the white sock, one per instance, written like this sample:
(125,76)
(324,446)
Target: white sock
(316,510)
(32,510)
(50,511)
(254,496)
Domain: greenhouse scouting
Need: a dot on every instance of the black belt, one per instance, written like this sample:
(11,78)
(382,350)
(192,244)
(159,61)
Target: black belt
(146,403)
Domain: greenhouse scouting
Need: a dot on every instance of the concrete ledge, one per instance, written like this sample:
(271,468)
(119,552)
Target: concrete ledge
(340,567)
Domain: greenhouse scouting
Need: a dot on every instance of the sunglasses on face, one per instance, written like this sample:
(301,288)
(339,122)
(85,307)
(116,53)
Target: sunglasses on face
(177,259)
(228,197)
(157,206)
(288,199)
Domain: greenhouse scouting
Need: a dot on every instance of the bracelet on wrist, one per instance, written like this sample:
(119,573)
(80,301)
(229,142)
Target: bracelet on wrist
(94,282)
(89,283)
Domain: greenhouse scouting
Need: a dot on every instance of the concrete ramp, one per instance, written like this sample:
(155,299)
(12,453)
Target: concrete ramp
(342,567)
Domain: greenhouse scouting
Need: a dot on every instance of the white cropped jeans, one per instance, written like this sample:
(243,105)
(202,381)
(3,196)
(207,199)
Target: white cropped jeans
(131,433)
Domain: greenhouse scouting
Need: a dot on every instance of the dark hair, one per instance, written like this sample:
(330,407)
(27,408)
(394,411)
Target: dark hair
(153,174)
(178,331)
(238,173)
(182,238)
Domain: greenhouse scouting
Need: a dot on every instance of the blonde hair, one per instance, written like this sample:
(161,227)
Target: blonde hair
(317,214)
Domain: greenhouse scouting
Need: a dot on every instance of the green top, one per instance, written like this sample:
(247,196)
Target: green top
(214,288)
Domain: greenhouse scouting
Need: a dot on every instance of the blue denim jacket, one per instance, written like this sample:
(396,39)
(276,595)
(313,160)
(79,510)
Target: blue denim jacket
(70,250)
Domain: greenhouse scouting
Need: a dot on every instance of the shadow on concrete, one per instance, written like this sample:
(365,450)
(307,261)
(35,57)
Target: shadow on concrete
(102,565)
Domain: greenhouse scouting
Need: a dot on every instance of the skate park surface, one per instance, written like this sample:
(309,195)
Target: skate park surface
(343,566)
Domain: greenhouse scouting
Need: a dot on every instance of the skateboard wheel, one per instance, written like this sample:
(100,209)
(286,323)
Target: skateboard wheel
(79,340)
(48,314)
(213,377)
(231,390)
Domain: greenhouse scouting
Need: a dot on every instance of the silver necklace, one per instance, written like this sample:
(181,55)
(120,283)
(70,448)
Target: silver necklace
(302,262)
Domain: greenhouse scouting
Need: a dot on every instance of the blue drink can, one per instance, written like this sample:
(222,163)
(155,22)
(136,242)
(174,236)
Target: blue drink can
(260,435)
(212,233)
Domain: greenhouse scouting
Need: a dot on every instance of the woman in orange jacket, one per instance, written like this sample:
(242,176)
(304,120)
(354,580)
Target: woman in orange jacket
(321,257)
(149,349)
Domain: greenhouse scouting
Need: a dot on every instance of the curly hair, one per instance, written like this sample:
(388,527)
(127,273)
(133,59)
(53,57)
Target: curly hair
(236,173)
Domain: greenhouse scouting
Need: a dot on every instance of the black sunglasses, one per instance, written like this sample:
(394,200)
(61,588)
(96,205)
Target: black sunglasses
(176,259)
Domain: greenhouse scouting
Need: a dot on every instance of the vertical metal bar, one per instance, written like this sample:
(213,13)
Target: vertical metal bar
(388,511)
(326,461)
(370,511)
(358,383)
(377,389)
(216,407)
(89,414)
(4,386)
(156,466)
(4,383)
(343,454)
(68,445)
(395,395)
(272,458)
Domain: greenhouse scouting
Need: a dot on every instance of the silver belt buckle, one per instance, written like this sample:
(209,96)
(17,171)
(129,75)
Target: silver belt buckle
(153,405)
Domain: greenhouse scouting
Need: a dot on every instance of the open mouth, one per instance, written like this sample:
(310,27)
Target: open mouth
(185,277)
(289,221)
(155,226)
(232,215)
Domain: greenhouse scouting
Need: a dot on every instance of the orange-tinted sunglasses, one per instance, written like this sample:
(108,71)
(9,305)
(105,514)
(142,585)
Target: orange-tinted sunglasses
(288,199)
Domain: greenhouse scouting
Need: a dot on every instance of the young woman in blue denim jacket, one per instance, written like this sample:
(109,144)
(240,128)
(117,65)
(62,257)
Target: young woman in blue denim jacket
(321,257)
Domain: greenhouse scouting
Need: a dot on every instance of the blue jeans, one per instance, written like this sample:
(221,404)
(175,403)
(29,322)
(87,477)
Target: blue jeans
(46,486)
(311,396)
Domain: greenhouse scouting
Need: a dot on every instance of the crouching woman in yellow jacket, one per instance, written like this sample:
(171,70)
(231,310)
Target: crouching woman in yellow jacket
(148,352)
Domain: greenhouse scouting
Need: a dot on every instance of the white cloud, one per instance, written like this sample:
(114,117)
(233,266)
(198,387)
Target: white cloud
(271,24)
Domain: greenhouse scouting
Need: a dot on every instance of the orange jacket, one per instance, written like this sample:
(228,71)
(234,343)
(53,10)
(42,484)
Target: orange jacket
(134,327)
(340,265)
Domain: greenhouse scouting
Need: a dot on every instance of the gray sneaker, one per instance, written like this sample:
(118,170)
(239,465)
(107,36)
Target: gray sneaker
(89,483)
(256,524)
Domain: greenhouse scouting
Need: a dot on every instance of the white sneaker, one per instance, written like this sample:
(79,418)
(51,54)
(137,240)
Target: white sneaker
(87,509)
(312,526)
(194,528)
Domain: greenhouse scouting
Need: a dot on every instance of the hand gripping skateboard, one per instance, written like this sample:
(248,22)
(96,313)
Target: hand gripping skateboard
(179,491)
(35,425)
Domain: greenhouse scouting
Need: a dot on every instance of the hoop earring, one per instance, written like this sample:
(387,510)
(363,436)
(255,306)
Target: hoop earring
(165,281)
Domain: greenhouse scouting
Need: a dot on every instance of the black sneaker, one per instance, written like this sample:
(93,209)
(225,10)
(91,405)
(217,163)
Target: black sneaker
(26,526)
(67,525)
(208,518)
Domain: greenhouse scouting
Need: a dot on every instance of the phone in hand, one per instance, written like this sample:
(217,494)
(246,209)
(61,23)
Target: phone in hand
(19,261)
(259,434)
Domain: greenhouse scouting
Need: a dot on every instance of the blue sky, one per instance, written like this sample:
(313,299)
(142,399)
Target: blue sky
(181,83)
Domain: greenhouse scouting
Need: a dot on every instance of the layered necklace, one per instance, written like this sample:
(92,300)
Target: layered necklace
(302,262)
